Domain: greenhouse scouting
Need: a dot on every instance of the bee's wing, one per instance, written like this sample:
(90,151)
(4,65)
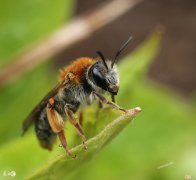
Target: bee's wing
(36,111)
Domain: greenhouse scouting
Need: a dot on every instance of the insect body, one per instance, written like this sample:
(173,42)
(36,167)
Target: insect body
(82,82)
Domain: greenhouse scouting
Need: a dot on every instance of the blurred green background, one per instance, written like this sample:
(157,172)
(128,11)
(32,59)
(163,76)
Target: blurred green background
(160,144)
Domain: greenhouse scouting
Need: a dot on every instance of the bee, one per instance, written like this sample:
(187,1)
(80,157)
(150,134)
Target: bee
(81,83)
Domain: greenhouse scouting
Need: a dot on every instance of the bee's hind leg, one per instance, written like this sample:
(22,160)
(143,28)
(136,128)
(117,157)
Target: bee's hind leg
(63,140)
(74,122)
(57,124)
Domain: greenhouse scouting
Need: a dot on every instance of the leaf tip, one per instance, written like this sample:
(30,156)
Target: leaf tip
(137,109)
(134,111)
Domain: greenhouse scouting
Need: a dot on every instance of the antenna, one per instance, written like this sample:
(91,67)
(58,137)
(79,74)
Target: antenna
(121,49)
(103,59)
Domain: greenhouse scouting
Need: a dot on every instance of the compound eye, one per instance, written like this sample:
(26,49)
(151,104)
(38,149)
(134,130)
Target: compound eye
(99,78)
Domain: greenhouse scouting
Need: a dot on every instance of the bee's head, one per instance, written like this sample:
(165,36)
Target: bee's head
(103,74)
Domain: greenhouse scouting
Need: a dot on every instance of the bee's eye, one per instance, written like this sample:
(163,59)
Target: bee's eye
(99,78)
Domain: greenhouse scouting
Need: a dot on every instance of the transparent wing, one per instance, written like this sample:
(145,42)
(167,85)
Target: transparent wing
(36,111)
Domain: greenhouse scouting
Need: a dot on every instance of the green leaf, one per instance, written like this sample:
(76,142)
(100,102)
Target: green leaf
(62,165)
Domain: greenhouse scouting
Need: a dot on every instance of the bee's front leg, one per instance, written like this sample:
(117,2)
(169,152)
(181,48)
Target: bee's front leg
(113,98)
(112,104)
(74,122)
(57,124)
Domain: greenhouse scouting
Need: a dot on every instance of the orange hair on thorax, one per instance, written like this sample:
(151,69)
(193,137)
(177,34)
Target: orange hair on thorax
(77,68)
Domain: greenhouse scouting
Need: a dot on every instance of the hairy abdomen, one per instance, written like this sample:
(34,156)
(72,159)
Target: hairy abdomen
(44,132)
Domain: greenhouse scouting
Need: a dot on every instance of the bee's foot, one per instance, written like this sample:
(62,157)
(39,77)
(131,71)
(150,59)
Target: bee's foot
(124,110)
(69,153)
(84,145)
(73,156)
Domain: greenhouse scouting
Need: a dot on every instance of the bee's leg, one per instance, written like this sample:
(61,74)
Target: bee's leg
(63,140)
(100,104)
(112,104)
(113,98)
(74,122)
(81,117)
(57,124)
